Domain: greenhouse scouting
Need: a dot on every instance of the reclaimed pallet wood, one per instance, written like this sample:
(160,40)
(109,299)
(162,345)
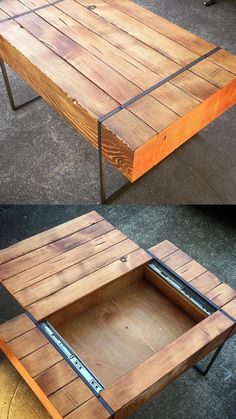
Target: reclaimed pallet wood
(87,58)
(98,290)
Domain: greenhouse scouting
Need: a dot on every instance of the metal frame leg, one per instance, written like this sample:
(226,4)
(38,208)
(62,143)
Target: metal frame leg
(9,91)
(204,372)
(104,199)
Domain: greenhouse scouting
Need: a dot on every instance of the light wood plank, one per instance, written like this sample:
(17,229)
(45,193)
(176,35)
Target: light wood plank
(41,360)
(205,282)
(27,343)
(46,237)
(221,294)
(170,139)
(55,377)
(169,95)
(166,28)
(119,88)
(91,409)
(148,55)
(63,261)
(191,271)
(29,380)
(72,100)
(90,268)
(54,249)
(70,397)
(12,7)
(66,296)
(138,30)
(15,327)
(163,249)
(176,259)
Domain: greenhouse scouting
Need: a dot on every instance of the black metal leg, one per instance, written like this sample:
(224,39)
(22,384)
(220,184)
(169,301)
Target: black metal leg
(104,199)
(209,2)
(9,91)
(204,372)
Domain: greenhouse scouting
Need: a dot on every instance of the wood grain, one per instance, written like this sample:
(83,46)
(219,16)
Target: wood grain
(132,390)
(56,377)
(56,248)
(69,397)
(150,154)
(63,261)
(46,237)
(134,334)
(112,53)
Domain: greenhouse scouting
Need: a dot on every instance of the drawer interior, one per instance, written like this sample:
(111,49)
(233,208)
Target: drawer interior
(121,325)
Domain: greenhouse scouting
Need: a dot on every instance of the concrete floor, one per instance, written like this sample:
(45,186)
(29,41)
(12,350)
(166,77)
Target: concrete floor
(205,233)
(43,160)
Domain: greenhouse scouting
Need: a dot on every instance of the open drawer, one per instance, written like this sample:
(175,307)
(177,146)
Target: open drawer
(106,324)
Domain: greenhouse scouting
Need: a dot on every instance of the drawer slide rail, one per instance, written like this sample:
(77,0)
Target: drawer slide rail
(73,360)
(198,299)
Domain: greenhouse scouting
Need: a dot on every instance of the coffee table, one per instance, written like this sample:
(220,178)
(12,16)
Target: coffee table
(107,325)
(133,84)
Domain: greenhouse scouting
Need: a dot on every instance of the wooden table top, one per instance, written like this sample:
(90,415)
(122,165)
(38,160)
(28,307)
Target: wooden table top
(54,269)
(86,58)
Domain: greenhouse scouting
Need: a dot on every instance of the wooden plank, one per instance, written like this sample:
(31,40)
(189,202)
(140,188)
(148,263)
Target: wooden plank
(66,296)
(191,270)
(194,88)
(213,73)
(89,269)
(176,33)
(3,15)
(122,40)
(230,308)
(12,7)
(29,380)
(123,53)
(170,139)
(169,95)
(46,237)
(221,294)
(63,261)
(32,354)
(16,327)
(225,60)
(166,28)
(143,33)
(128,393)
(163,249)
(27,343)
(205,282)
(55,377)
(40,360)
(78,102)
(56,248)
(91,409)
(119,88)
(70,397)
(176,259)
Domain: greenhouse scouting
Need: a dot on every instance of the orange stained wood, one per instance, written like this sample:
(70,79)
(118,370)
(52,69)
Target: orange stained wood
(132,332)
(88,58)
